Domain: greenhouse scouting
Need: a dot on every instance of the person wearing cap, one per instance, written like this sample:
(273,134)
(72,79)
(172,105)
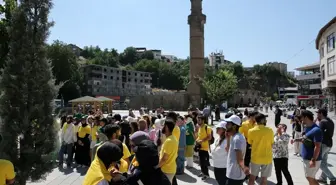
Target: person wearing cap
(261,139)
(108,155)
(245,127)
(68,138)
(236,170)
(327,126)
(311,146)
(203,137)
(82,155)
(219,154)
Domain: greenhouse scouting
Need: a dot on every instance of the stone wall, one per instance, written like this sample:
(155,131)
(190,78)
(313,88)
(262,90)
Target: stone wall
(178,101)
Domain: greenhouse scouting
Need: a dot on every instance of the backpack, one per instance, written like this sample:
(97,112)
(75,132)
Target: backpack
(212,140)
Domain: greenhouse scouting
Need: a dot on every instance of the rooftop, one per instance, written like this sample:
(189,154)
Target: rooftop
(315,65)
(322,30)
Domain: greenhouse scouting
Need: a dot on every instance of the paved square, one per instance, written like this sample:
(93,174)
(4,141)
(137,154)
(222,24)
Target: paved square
(75,177)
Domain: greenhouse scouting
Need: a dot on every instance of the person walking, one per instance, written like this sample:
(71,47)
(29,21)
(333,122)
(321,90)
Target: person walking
(236,171)
(327,126)
(278,114)
(219,154)
(280,155)
(297,133)
(261,139)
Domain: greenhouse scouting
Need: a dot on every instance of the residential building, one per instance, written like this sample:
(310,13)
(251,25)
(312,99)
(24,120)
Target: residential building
(309,85)
(157,54)
(77,50)
(109,81)
(169,58)
(216,59)
(325,44)
(282,67)
(289,94)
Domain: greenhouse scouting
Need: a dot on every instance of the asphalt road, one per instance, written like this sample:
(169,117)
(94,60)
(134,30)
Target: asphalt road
(75,177)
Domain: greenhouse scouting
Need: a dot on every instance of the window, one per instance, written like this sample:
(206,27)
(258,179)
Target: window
(331,65)
(322,50)
(323,73)
(331,42)
(105,76)
(111,71)
(104,70)
(111,77)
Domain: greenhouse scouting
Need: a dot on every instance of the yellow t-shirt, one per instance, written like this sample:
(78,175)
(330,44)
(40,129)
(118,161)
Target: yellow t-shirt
(82,131)
(93,133)
(169,147)
(126,152)
(6,171)
(246,126)
(202,134)
(261,139)
(176,132)
(96,173)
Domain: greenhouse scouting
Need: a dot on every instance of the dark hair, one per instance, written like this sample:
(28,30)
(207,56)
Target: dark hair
(284,126)
(259,117)
(118,143)
(172,115)
(117,117)
(308,114)
(153,118)
(228,115)
(303,107)
(111,129)
(252,113)
(170,124)
(181,118)
(135,126)
(221,139)
(109,153)
(104,120)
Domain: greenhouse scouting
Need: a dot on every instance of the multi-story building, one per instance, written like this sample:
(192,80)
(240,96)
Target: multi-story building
(216,59)
(289,94)
(325,44)
(108,81)
(309,85)
(282,67)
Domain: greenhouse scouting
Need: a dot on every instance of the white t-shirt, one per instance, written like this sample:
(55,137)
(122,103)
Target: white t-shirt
(219,154)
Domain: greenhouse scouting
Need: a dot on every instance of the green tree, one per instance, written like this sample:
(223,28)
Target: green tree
(275,97)
(129,56)
(6,10)
(149,55)
(27,92)
(65,70)
(220,86)
(96,56)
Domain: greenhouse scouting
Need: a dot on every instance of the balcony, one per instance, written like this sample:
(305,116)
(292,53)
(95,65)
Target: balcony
(308,77)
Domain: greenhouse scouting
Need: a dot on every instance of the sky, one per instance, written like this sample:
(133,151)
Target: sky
(251,31)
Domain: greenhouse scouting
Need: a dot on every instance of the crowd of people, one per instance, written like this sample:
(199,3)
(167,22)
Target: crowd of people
(155,147)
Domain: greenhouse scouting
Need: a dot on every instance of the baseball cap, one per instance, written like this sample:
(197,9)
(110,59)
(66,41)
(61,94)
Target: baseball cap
(222,124)
(322,111)
(234,119)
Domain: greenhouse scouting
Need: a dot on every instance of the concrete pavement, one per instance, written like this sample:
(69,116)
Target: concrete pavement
(76,176)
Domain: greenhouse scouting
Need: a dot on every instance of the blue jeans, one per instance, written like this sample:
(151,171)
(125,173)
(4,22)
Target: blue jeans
(68,149)
(180,162)
(326,173)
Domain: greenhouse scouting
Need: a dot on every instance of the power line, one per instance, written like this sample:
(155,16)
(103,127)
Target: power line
(297,53)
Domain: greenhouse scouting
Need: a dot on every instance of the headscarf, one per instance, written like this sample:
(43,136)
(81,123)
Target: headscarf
(106,155)
(147,155)
(139,136)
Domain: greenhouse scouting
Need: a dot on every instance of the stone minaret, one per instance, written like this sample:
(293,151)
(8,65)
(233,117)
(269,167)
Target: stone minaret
(196,21)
